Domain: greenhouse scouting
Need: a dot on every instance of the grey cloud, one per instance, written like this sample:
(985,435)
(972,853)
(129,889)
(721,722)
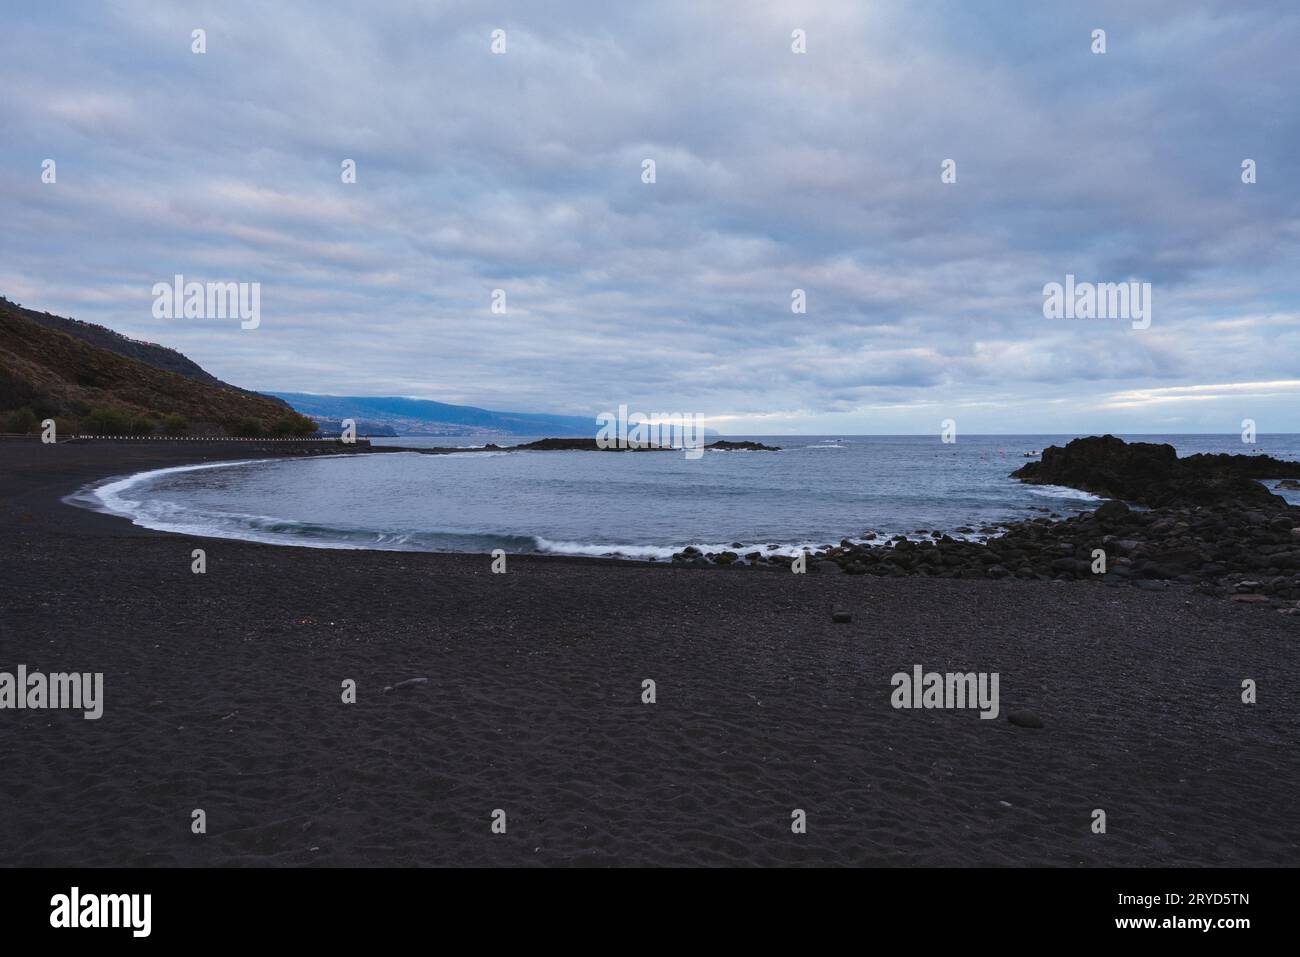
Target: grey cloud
(522,172)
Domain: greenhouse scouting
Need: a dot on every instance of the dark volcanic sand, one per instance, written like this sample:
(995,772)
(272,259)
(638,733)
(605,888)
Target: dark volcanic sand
(222,692)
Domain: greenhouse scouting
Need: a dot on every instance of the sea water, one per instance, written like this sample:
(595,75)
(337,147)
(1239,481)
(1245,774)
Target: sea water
(816,491)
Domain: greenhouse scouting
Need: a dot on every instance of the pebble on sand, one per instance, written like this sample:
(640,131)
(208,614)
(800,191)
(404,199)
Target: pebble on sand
(1151,584)
(1024,719)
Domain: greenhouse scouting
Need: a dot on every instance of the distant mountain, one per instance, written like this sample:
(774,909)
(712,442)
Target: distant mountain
(364,427)
(426,417)
(91,379)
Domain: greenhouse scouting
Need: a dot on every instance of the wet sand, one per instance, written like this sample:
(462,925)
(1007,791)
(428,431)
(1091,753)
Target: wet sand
(222,692)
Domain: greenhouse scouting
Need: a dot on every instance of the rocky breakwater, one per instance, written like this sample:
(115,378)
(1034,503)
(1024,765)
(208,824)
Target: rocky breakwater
(1203,521)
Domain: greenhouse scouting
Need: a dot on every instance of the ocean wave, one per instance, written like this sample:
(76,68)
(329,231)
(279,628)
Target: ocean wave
(1062,491)
(666,552)
(766,549)
(114,497)
(605,550)
(109,496)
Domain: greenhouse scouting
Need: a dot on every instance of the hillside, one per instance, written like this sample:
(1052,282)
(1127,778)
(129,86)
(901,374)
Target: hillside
(90,379)
(160,357)
(426,417)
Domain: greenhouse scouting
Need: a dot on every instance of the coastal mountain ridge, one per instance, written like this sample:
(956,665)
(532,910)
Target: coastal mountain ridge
(90,379)
(158,356)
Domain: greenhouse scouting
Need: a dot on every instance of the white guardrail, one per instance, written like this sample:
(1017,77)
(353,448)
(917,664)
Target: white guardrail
(197,438)
(177,438)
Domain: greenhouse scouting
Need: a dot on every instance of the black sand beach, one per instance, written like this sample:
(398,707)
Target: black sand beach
(222,692)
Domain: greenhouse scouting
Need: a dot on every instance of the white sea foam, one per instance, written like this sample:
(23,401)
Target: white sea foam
(1061,491)
(163,516)
(665,553)
(111,495)
(605,550)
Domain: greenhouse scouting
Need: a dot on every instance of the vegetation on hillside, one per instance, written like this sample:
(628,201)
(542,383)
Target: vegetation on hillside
(85,388)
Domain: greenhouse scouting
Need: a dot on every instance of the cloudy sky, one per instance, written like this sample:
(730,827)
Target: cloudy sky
(775,171)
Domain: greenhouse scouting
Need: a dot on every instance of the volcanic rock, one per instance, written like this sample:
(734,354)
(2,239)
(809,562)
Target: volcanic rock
(1152,474)
(1025,719)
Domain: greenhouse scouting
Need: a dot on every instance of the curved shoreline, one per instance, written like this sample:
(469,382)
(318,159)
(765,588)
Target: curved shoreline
(103,496)
(40,482)
(221,690)
(92,497)
(1038,546)
(224,688)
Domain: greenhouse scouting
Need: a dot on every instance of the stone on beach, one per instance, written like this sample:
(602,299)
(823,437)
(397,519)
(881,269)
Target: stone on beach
(1110,510)
(1152,584)
(1024,719)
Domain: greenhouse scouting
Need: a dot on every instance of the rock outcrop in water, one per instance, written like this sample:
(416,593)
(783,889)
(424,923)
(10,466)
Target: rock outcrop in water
(1153,475)
(723,445)
(589,445)
(1210,525)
